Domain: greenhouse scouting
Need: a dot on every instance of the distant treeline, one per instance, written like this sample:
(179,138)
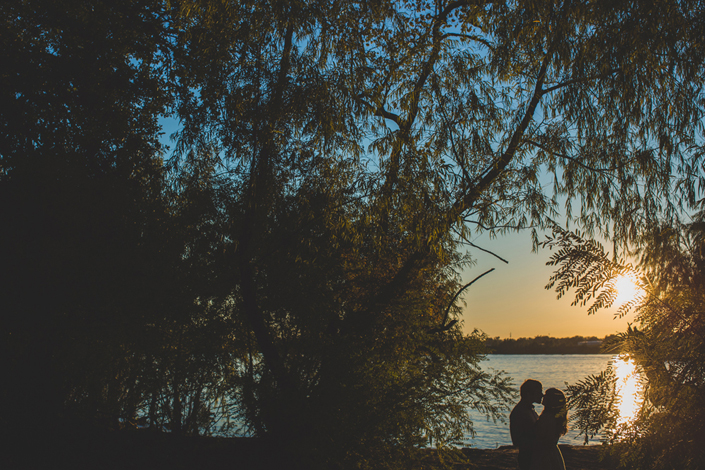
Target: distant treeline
(547,345)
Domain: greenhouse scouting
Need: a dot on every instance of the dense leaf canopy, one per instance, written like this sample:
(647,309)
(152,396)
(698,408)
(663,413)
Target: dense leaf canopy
(292,268)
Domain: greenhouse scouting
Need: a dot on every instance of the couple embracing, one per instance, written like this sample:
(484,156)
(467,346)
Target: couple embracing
(537,436)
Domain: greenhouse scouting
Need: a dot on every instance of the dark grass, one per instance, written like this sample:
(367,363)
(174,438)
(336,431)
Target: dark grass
(144,450)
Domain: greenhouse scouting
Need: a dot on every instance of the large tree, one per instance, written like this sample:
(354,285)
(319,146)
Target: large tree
(345,359)
(389,131)
(333,159)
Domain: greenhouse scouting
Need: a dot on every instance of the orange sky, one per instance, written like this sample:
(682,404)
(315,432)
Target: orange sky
(512,299)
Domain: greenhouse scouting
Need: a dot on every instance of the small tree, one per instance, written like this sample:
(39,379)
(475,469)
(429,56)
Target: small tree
(667,343)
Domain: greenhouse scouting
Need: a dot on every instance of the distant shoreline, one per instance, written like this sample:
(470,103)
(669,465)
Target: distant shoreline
(547,353)
(548,345)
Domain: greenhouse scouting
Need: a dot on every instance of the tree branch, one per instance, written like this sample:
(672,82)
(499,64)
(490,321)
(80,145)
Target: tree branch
(406,124)
(381,112)
(445,327)
(568,157)
(471,37)
(497,167)
(488,252)
(580,80)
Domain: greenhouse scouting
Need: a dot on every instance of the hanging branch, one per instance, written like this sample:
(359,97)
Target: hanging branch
(444,326)
(489,253)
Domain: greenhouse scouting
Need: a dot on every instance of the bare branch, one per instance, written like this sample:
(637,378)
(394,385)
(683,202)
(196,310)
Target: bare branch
(488,252)
(471,37)
(568,157)
(445,327)
(580,80)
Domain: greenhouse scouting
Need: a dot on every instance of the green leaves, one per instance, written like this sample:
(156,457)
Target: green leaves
(667,344)
(592,401)
(331,159)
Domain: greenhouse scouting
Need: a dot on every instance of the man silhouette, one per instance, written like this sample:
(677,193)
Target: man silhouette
(522,421)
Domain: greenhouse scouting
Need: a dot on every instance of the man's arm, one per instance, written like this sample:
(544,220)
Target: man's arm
(522,427)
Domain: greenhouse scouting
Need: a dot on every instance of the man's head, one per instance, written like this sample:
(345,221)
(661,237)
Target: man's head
(531,390)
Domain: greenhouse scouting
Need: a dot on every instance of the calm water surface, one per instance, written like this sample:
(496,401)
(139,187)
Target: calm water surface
(551,371)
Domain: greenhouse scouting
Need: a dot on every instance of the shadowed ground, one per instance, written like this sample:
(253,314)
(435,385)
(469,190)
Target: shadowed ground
(138,450)
(505,458)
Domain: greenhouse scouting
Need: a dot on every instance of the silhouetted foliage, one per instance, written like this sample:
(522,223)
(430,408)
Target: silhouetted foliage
(667,343)
(292,268)
(81,195)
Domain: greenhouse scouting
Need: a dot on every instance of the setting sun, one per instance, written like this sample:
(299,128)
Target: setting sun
(627,289)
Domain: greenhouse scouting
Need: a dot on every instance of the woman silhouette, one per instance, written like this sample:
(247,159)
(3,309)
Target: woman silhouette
(552,424)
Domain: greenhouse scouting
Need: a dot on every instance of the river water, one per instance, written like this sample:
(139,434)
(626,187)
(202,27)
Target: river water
(551,371)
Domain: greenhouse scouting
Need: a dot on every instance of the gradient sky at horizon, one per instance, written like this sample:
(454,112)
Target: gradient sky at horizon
(512,300)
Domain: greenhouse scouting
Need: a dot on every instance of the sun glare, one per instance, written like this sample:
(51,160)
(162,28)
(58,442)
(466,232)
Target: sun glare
(629,389)
(627,289)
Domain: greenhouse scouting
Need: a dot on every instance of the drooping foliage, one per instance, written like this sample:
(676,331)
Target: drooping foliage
(666,342)
(79,186)
(291,268)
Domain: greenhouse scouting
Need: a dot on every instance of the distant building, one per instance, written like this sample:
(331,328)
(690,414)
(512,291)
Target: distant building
(590,343)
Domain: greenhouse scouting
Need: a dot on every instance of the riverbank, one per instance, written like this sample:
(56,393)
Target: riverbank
(505,458)
(157,451)
(548,345)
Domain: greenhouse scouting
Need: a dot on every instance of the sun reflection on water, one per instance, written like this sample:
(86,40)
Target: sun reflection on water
(629,389)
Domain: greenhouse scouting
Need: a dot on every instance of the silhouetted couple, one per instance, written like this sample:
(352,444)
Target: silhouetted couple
(537,436)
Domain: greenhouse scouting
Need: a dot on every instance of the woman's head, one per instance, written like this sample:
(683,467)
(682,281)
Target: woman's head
(554,404)
(554,399)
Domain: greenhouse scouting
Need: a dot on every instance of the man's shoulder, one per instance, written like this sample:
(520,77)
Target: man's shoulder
(518,408)
(521,409)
